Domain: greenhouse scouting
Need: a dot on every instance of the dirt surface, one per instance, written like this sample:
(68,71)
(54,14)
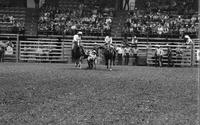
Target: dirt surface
(59,94)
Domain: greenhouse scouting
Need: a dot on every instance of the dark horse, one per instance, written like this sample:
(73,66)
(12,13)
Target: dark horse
(78,54)
(109,53)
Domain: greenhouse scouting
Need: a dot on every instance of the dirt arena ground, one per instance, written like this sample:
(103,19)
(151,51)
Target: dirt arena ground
(59,94)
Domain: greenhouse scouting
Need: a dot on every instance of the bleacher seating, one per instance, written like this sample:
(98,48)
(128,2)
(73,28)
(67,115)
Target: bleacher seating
(8,26)
(72,16)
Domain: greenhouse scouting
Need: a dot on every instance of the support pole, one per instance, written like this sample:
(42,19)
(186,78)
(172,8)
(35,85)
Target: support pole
(17,48)
(198,77)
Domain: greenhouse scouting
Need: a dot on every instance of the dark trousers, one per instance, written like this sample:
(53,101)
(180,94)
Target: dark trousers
(170,62)
(136,59)
(119,57)
(126,58)
(126,4)
(158,61)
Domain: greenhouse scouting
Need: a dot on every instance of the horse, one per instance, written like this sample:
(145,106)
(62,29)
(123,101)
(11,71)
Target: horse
(109,53)
(78,54)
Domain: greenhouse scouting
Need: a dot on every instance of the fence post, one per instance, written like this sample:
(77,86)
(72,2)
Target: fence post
(192,54)
(63,57)
(147,48)
(17,48)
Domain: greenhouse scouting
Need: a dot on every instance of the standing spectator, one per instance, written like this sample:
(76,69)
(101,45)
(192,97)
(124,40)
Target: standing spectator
(134,41)
(127,55)
(169,56)
(119,54)
(135,55)
(158,56)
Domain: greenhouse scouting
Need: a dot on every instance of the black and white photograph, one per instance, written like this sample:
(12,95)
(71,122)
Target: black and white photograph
(99,62)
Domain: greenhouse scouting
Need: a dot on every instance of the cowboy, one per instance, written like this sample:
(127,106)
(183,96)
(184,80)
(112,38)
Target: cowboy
(92,55)
(169,56)
(127,55)
(108,41)
(92,59)
(119,54)
(77,39)
(188,40)
(134,41)
(158,56)
(135,55)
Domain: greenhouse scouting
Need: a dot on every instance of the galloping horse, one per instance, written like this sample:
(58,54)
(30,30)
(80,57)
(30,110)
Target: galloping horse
(78,54)
(109,53)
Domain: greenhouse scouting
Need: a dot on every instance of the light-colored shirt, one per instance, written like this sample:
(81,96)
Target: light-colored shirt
(77,39)
(127,50)
(92,56)
(159,52)
(119,50)
(108,39)
(135,50)
(189,41)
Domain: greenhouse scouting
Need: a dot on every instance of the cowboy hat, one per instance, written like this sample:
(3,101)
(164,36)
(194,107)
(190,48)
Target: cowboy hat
(80,33)
(187,36)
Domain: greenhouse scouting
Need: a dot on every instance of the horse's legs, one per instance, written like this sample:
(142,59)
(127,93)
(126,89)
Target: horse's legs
(79,62)
(111,61)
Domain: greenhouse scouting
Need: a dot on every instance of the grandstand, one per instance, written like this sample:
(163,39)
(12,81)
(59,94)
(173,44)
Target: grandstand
(153,23)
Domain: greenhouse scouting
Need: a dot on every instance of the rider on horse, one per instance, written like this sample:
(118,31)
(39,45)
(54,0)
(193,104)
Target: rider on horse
(77,40)
(108,41)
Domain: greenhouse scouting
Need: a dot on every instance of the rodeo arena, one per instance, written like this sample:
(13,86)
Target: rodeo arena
(99,62)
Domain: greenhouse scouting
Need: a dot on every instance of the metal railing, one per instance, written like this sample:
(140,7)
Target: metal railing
(58,49)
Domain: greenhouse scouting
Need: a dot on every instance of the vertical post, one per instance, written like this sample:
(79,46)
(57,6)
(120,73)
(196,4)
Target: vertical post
(198,78)
(192,54)
(17,49)
(63,57)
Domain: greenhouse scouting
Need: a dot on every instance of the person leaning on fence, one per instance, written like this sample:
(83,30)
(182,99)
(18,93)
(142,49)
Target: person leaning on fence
(158,56)
(169,56)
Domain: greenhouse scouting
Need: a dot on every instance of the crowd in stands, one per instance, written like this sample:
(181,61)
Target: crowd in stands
(89,17)
(172,20)
(16,25)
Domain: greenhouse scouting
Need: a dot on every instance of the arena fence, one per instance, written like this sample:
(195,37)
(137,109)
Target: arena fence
(58,49)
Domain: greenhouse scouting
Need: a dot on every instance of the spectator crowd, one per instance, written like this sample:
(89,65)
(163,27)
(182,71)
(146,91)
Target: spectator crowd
(169,20)
(88,17)
(16,25)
